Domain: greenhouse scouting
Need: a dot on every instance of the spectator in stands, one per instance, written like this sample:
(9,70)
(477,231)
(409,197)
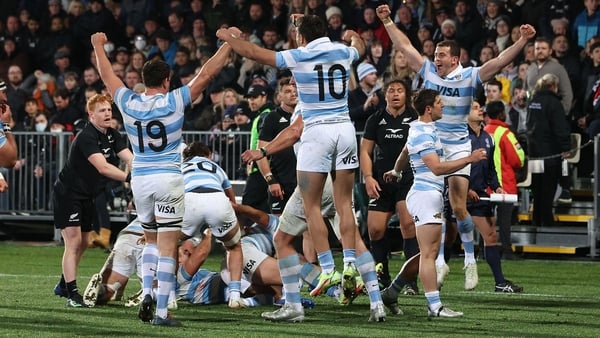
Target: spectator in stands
(406,23)
(76,95)
(177,24)
(465,58)
(279,16)
(493,92)
(442,14)
(399,68)
(136,61)
(15,93)
(424,33)
(335,24)
(468,25)
(62,65)
(122,56)
(12,54)
(133,77)
(587,23)
(74,12)
(548,135)
(367,98)
(378,57)
(370,22)
(517,115)
(589,120)
(564,54)
(508,157)
(165,46)
(485,54)
(64,112)
(45,85)
(119,70)
(503,30)
(545,64)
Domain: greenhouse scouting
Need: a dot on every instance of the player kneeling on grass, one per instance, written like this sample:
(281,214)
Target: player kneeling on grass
(208,199)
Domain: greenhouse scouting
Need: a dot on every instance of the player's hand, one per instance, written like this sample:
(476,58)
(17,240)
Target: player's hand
(478,155)
(251,155)
(472,196)
(294,18)
(372,187)
(392,176)
(276,190)
(348,35)
(5,113)
(3,185)
(99,39)
(527,31)
(500,191)
(383,12)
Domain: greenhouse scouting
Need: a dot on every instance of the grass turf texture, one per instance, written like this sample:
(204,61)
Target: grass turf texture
(561,299)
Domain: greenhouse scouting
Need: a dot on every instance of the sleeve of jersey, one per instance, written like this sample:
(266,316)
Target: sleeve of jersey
(120,145)
(427,68)
(180,98)
(268,128)
(122,95)
(226,184)
(423,144)
(273,223)
(286,58)
(370,128)
(87,145)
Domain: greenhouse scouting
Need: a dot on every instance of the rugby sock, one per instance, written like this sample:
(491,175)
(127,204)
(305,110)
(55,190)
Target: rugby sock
(397,284)
(62,283)
(326,261)
(258,300)
(433,300)
(492,256)
(310,273)
(411,247)
(379,250)
(289,268)
(440,260)
(166,282)
(467,239)
(366,267)
(234,289)
(349,255)
(72,288)
(149,263)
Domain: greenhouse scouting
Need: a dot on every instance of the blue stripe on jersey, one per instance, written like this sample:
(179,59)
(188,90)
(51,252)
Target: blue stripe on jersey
(322,70)
(457,92)
(2,135)
(422,139)
(135,226)
(262,238)
(199,291)
(156,122)
(200,172)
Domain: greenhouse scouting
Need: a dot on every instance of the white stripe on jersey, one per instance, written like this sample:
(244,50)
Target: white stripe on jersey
(321,70)
(262,238)
(200,172)
(155,122)
(134,226)
(423,139)
(457,92)
(2,135)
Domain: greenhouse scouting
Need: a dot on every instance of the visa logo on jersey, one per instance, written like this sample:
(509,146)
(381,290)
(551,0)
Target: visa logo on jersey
(447,91)
(350,159)
(165,209)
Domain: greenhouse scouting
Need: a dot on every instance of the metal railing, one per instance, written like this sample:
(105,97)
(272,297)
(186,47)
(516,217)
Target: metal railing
(42,156)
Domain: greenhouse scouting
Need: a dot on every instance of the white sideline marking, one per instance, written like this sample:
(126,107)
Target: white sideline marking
(540,295)
(32,276)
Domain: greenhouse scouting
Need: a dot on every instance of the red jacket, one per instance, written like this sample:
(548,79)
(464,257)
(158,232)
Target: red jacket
(508,154)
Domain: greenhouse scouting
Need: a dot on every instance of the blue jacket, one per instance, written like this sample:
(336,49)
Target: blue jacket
(483,173)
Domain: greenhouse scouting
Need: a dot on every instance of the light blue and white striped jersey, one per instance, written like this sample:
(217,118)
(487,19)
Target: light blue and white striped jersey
(423,139)
(200,288)
(262,238)
(153,125)
(200,172)
(135,226)
(321,70)
(456,91)
(2,135)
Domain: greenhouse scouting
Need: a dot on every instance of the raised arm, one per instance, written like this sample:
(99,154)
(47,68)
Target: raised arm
(492,67)
(209,70)
(246,48)
(355,41)
(286,138)
(111,81)
(400,40)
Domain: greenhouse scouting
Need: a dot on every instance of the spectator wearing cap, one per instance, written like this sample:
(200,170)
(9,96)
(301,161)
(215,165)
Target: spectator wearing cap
(165,45)
(448,29)
(335,24)
(122,55)
(367,97)
(12,54)
(279,170)
(468,25)
(442,14)
(255,192)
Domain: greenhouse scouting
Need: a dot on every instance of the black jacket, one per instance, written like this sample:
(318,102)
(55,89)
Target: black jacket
(548,129)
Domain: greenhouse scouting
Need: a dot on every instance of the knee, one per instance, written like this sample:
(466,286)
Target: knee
(376,231)
(460,213)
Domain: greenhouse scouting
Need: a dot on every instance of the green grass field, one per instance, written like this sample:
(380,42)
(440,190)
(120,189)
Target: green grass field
(562,298)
